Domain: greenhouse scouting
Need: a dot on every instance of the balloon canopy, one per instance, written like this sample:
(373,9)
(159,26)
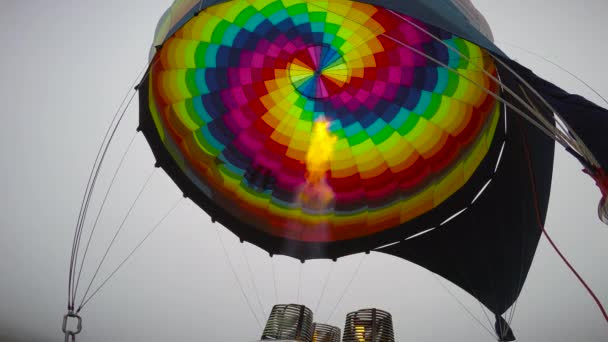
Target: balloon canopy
(320,125)
(319,129)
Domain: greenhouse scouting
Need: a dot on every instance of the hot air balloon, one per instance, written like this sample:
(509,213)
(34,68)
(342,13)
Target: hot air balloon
(320,129)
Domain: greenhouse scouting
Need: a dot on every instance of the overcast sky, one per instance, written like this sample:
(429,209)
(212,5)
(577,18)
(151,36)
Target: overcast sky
(64,67)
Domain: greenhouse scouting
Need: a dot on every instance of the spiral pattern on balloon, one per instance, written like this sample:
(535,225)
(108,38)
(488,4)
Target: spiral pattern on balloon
(237,91)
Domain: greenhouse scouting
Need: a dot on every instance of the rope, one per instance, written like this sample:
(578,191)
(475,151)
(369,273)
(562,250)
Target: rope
(300,281)
(88,195)
(238,281)
(103,203)
(524,237)
(124,220)
(255,287)
(558,66)
(464,306)
(274,282)
(99,159)
(347,287)
(576,143)
(565,136)
(548,237)
(550,130)
(154,228)
(331,269)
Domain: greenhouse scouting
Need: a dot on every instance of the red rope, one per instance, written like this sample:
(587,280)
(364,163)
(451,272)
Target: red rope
(601,179)
(542,227)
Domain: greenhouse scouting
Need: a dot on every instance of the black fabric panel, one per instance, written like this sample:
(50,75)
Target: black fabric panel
(488,249)
(588,120)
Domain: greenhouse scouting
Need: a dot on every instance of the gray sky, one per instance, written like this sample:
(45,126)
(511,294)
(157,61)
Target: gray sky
(65,66)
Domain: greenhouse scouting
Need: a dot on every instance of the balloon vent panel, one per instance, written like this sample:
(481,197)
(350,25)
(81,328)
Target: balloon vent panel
(289,322)
(369,325)
(325,333)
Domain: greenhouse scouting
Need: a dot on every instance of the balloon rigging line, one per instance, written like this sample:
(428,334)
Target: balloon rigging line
(521,279)
(512,313)
(550,240)
(485,313)
(274,281)
(545,130)
(513,308)
(200,6)
(577,143)
(567,134)
(118,115)
(154,228)
(122,224)
(464,307)
(524,236)
(481,306)
(489,279)
(300,281)
(87,198)
(550,130)
(238,281)
(539,116)
(484,89)
(108,130)
(250,272)
(329,272)
(346,289)
(574,140)
(558,66)
(581,280)
(94,182)
(122,159)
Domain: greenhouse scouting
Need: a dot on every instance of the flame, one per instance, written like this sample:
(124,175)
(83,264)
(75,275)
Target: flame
(320,151)
(316,193)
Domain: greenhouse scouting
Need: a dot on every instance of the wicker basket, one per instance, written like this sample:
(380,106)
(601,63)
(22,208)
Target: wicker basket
(289,322)
(325,333)
(369,325)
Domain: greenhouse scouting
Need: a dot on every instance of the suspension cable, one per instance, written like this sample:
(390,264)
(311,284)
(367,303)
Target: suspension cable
(251,276)
(566,134)
(88,194)
(346,289)
(118,231)
(329,272)
(274,281)
(538,115)
(464,307)
(154,228)
(558,66)
(236,277)
(300,281)
(545,130)
(122,159)
(550,240)
(93,175)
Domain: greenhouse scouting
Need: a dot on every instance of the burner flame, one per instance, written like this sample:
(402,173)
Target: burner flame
(317,194)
